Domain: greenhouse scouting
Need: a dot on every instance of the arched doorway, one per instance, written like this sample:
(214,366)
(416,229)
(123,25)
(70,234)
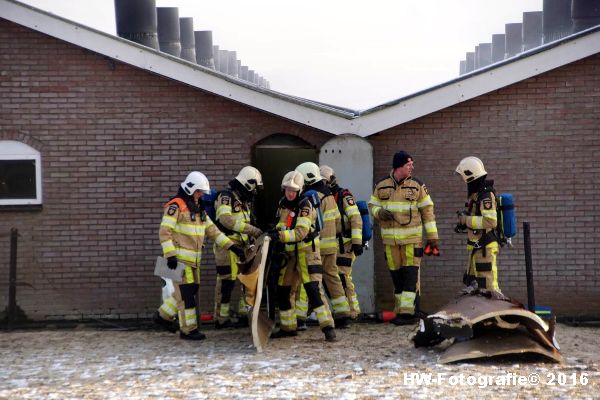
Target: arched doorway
(273,157)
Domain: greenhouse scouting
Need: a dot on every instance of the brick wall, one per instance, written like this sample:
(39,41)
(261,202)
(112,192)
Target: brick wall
(115,144)
(540,140)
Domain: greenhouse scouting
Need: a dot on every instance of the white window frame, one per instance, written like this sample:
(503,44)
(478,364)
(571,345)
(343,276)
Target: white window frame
(13,150)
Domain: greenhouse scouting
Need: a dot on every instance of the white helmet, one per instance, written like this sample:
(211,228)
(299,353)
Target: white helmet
(195,181)
(310,172)
(470,168)
(293,180)
(328,174)
(250,178)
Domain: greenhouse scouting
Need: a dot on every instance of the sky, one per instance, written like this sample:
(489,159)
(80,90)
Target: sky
(349,53)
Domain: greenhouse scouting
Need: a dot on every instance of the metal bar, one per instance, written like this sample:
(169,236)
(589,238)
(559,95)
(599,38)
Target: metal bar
(528,268)
(12,278)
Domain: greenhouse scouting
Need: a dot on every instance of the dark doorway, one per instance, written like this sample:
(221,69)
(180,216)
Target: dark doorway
(273,157)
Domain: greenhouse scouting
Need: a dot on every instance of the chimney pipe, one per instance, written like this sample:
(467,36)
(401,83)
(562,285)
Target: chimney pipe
(188,46)
(498,47)
(216,57)
(204,48)
(224,61)
(532,30)
(168,30)
(470,62)
(476,59)
(585,13)
(514,39)
(251,76)
(232,64)
(244,72)
(136,21)
(485,54)
(557,22)
(463,67)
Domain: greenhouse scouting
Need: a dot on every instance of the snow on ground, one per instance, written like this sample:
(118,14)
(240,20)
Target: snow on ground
(369,361)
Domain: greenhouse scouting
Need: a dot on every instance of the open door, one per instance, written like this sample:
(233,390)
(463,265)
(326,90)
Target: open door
(274,156)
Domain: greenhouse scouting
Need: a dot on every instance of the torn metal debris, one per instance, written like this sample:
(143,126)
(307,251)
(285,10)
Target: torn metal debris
(485,323)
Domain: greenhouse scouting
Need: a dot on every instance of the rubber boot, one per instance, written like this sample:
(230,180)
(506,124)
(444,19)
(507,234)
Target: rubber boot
(193,335)
(163,323)
(329,334)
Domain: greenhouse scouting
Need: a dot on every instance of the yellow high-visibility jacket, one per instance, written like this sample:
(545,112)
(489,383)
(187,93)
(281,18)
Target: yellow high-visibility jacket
(182,233)
(412,207)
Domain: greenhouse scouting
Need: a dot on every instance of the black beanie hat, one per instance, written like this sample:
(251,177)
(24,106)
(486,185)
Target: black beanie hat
(400,158)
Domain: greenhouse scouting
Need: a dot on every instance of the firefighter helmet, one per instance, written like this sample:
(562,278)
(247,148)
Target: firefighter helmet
(195,181)
(328,174)
(292,180)
(470,168)
(250,178)
(310,172)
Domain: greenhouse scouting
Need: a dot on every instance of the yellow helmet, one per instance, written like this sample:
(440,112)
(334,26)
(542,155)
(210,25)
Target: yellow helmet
(470,168)
(293,180)
(328,174)
(310,172)
(250,178)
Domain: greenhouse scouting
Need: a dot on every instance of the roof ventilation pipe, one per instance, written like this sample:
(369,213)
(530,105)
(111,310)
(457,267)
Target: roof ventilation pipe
(216,57)
(224,61)
(168,30)
(556,20)
(136,21)
(532,30)
(498,47)
(514,39)
(188,46)
(485,54)
(244,72)
(470,61)
(585,13)
(232,64)
(204,49)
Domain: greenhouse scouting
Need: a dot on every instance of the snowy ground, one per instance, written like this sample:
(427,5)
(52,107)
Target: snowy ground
(369,361)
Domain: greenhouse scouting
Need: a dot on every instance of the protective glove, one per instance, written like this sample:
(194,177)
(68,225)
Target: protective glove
(357,249)
(274,235)
(385,215)
(432,248)
(238,251)
(172,262)
(255,232)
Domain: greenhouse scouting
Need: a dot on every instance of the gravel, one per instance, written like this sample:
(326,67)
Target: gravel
(369,361)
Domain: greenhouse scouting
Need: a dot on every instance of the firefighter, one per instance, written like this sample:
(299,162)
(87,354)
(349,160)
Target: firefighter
(182,230)
(403,207)
(296,229)
(350,241)
(235,218)
(332,226)
(480,220)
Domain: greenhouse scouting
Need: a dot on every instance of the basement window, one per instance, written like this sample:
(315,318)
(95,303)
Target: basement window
(20,174)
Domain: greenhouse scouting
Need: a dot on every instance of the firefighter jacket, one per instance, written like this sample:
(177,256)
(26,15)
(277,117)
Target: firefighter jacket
(234,216)
(351,220)
(483,218)
(296,227)
(182,233)
(332,220)
(411,206)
